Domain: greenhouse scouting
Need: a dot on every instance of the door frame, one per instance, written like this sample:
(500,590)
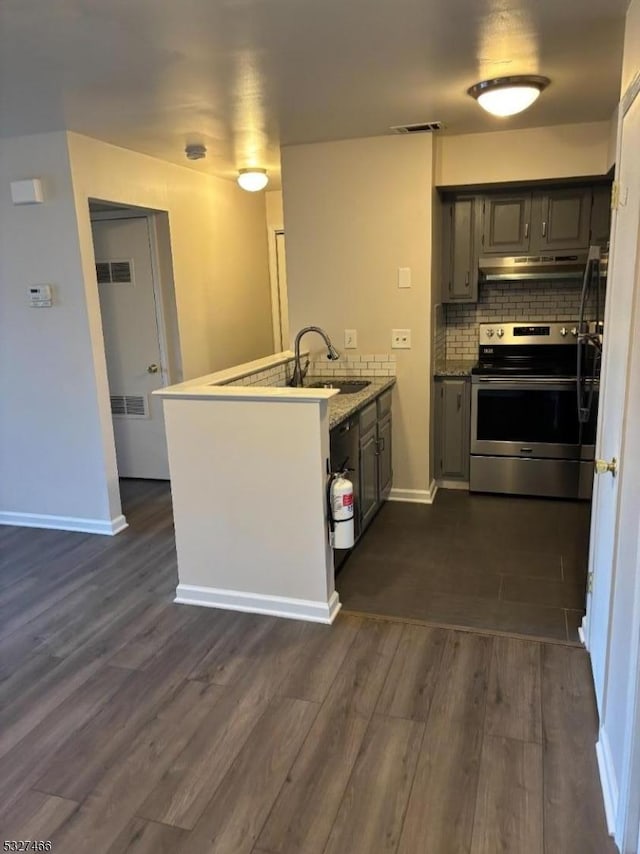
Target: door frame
(626,103)
(163,290)
(279,296)
(622,795)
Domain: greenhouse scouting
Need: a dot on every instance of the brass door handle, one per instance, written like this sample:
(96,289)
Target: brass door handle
(153,368)
(604,466)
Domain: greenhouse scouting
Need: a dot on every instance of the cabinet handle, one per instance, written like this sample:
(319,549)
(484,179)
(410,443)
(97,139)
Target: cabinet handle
(466,279)
(459,401)
(526,229)
(544,228)
(379,449)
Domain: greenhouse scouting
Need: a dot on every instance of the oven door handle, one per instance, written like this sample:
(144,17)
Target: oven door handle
(526,382)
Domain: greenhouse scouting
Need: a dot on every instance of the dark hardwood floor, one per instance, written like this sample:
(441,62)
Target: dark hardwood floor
(488,562)
(130,724)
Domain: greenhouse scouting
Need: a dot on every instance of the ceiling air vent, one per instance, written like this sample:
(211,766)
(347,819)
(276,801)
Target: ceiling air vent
(421,127)
(129,405)
(114,272)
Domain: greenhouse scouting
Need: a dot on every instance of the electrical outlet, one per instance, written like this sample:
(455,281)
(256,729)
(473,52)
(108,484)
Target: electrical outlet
(400,339)
(350,339)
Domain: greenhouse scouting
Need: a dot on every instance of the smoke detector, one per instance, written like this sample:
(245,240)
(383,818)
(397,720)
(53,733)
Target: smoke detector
(195,151)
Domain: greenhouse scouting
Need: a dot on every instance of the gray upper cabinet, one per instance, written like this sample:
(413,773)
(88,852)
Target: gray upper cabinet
(461,249)
(507,224)
(601,216)
(561,220)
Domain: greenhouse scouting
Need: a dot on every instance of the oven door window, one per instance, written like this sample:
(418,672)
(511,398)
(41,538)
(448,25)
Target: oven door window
(528,415)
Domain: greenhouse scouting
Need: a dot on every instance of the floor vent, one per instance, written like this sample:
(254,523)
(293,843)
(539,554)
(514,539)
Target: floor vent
(129,405)
(421,127)
(114,272)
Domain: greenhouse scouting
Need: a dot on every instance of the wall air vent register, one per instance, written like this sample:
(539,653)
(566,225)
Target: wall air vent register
(114,272)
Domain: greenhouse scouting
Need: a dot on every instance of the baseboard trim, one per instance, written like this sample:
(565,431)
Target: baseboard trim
(607,781)
(582,631)
(415,496)
(257,603)
(454,484)
(65,523)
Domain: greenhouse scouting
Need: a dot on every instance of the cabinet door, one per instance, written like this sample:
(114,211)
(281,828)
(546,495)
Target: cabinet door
(506,224)
(564,220)
(601,216)
(368,477)
(463,264)
(385,471)
(453,429)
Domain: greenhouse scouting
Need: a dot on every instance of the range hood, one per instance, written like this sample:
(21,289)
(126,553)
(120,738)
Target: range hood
(562,265)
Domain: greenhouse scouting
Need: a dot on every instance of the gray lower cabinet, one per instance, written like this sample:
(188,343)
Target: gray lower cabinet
(452,428)
(376,471)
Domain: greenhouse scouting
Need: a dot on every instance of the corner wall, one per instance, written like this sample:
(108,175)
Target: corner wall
(355,211)
(57,453)
(54,455)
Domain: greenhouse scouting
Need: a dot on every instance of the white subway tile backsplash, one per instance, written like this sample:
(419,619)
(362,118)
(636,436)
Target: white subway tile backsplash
(353,364)
(498,301)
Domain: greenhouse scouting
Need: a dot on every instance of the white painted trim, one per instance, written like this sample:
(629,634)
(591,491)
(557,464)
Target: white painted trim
(453,484)
(583,631)
(415,496)
(607,780)
(258,603)
(160,297)
(65,523)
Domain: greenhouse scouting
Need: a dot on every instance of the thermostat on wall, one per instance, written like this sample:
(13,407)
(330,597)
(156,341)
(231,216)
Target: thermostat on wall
(40,296)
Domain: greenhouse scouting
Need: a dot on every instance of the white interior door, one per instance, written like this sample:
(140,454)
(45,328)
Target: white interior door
(620,287)
(129,321)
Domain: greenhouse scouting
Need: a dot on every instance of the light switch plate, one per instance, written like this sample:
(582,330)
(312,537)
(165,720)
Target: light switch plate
(400,339)
(350,339)
(404,277)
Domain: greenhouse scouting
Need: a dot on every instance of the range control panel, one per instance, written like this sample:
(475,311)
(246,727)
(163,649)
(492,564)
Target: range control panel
(528,333)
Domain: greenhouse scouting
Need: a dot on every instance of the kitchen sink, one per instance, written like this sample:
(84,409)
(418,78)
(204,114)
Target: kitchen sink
(346,387)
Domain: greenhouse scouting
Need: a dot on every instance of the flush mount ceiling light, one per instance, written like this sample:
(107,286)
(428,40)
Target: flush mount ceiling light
(506,96)
(253,179)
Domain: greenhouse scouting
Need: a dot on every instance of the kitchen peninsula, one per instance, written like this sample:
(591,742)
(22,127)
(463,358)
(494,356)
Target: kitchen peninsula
(248,459)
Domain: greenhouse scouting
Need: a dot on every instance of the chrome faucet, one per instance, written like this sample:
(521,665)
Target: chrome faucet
(299,373)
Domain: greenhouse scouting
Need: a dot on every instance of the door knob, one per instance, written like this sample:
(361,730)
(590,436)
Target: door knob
(602,466)
(153,368)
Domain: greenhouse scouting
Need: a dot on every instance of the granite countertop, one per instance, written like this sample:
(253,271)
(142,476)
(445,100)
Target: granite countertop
(454,367)
(341,406)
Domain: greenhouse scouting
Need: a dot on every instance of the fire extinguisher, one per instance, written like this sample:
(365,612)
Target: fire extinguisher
(340,501)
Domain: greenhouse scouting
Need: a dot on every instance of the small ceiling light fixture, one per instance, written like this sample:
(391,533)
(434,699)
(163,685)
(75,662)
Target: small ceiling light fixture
(253,179)
(195,151)
(506,96)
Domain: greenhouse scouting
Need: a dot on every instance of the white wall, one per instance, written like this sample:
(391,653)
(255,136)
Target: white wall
(355,211)
(218,242)
(562,151)
(54,381)
(275,212)
(54,456)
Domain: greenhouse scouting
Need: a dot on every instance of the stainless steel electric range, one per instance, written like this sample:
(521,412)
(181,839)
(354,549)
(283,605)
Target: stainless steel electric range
(534,409)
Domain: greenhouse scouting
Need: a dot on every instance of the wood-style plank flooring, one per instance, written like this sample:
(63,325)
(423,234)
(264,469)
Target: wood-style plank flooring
(131,724)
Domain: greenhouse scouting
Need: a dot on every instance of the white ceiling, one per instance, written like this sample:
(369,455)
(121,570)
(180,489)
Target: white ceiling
(245,76)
